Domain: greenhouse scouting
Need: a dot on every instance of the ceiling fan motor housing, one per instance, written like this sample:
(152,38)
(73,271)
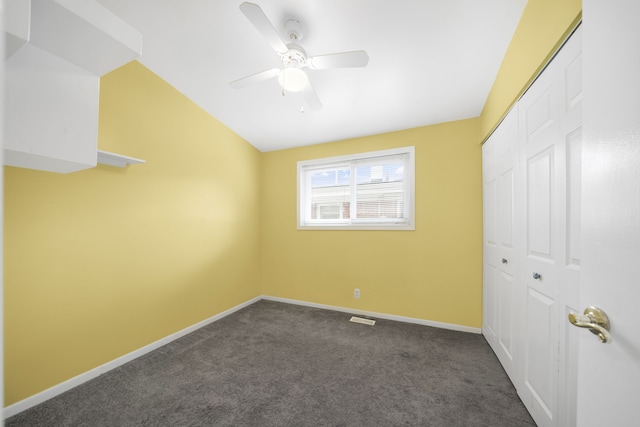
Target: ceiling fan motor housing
(295,56)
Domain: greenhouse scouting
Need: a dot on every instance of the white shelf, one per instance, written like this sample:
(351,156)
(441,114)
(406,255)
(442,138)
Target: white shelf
(113,159)
(56,52)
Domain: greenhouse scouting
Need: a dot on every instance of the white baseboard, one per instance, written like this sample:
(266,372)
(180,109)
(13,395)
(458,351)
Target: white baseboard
(441,325)
(47,394)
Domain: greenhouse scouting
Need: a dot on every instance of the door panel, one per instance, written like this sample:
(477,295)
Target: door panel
(609,374)
(491,306)
(506,330)
(574,189)
(538,115)
(490,213)
(570,213)
(540,359)
(539,185)
(539,200)
(500,243)
(550,158)
(505,211)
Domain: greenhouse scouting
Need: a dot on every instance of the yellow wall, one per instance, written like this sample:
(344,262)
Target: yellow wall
(101,262)
(434,272)
(542,28)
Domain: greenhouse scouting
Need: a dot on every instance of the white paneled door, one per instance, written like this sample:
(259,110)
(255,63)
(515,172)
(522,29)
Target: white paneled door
(500,242)
(549,164)
(609,374)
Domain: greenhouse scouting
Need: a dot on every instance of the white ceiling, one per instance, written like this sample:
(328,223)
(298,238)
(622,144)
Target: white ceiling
(430,61)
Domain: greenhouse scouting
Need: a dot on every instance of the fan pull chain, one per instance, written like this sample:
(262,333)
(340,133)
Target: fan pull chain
(283,81)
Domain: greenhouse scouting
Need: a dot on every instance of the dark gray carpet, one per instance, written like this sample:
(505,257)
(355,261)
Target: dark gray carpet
(274,364)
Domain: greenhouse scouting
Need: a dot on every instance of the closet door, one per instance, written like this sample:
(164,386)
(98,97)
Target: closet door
(549,164)
(500,261)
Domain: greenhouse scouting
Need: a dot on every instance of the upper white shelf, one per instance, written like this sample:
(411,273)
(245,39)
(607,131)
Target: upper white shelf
(113,159)
(56,51)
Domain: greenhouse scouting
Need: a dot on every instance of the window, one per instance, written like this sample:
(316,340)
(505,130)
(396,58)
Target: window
(371,191)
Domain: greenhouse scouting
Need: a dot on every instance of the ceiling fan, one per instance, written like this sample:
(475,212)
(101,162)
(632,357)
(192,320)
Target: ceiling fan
(291,76)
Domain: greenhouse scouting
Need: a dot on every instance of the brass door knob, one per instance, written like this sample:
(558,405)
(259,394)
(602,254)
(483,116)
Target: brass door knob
(593,319)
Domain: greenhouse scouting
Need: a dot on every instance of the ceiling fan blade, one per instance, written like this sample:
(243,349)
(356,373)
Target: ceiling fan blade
(254,78)
(311,98)
(357,58)
(254,13)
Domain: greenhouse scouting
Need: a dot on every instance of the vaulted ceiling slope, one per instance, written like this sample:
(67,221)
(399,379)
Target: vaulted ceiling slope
(430,61)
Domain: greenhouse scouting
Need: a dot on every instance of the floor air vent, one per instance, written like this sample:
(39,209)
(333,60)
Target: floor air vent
(362,320)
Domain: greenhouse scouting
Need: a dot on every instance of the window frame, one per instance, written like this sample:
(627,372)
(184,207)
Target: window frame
(330,163)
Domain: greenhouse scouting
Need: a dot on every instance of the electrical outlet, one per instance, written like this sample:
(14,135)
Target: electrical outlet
(356,293)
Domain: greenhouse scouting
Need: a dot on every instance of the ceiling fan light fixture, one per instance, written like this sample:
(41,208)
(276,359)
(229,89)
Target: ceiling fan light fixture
(293,79)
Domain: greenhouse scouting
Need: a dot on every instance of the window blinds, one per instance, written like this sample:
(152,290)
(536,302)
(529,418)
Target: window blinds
(373,189)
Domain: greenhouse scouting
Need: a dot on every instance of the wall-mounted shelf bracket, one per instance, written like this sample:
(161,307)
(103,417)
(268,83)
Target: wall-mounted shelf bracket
(113,159)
